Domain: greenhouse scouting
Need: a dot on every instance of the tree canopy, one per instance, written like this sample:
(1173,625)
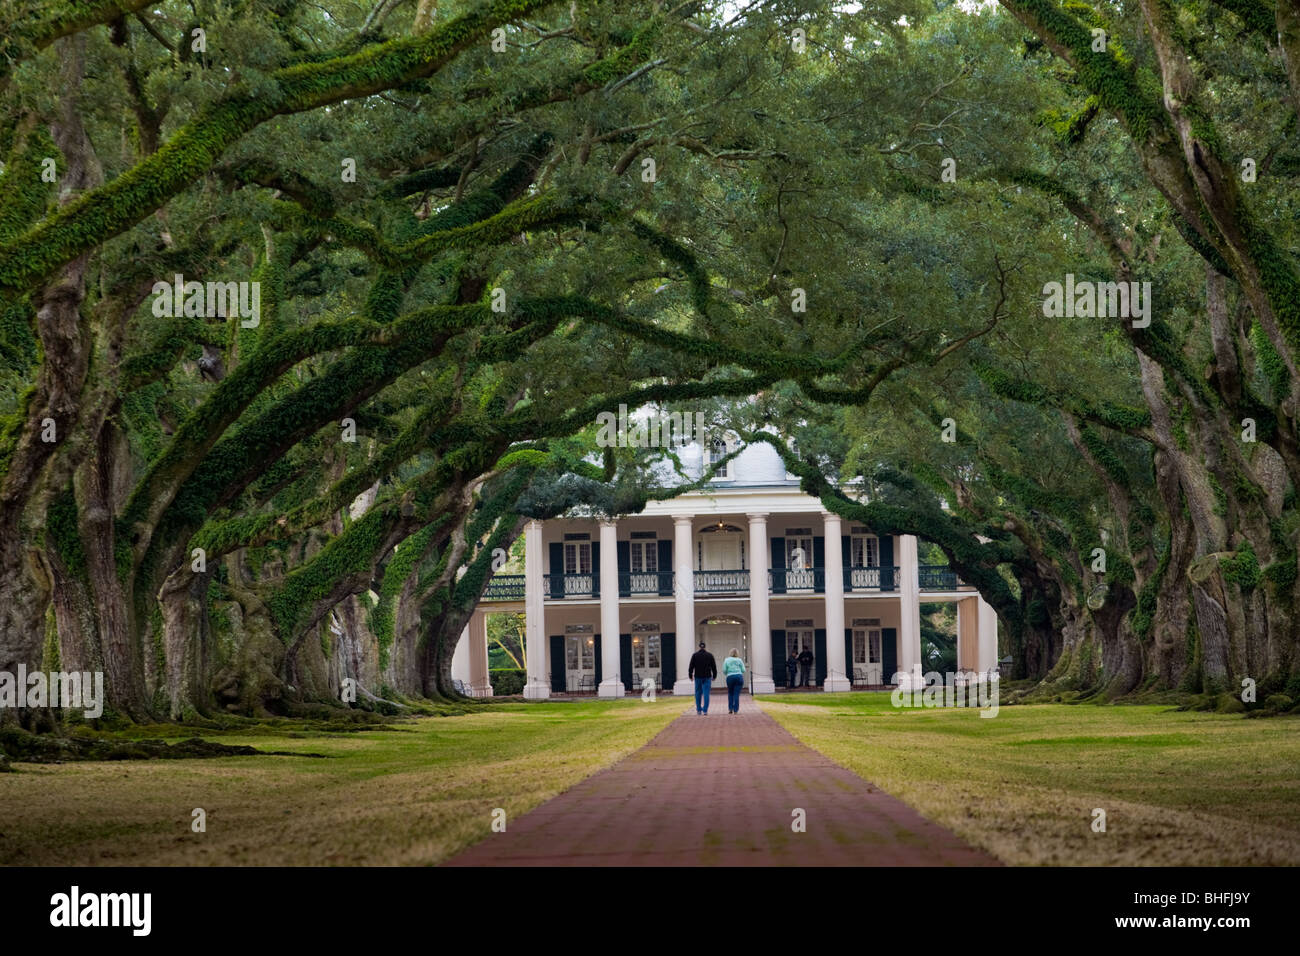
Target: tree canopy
(306,308)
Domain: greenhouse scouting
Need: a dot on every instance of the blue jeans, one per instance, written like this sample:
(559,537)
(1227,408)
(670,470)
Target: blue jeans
(703,686)
(734,683)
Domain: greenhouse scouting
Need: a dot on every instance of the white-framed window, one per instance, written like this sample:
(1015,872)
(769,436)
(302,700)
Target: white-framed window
(866,640)
(577,557)
(866,645)
(717,450)
(580,647)
(644,557)
(645,646)
(798,636)
(864,551)
(798,549)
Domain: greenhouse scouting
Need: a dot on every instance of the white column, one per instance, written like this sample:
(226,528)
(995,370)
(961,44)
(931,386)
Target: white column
(837,678)
(988,637)
(760,622)
(460,658)
(684,599)
(480,682)
(909,630)
(539,683)
(611,684)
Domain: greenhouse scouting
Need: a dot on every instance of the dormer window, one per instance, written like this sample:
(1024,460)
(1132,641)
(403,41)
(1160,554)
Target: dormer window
(717,452)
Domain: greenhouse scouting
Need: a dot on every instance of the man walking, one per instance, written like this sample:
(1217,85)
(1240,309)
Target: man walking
(702,670)
(792,669)
(805,664)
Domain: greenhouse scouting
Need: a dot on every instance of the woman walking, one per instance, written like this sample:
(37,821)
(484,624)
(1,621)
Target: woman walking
(733,668)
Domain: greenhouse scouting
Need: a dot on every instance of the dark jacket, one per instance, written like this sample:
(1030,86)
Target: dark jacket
(806,658)
(792,664)
(702,665)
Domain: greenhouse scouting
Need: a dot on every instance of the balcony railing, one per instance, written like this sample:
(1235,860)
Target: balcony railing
(721,582)
(573,585)
(938,577)
(643,583)
(871,579)
(784,580)
(932,577)
(806,579)
(505,587)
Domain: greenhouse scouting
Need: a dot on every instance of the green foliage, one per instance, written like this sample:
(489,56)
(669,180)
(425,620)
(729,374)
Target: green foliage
(380,296)
(1242,568)
(64,535)
(1143,617)
(507,680)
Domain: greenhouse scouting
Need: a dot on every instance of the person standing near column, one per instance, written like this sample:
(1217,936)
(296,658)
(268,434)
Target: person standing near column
(733,669)
(792,669)
(702,670)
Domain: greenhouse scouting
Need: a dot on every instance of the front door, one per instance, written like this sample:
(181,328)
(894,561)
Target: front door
(577,568)
(643,557)
(645,660)
(798,640)
(864,561)
(721,553)
(580,661)
(799,559)
(866,654)
(719,639)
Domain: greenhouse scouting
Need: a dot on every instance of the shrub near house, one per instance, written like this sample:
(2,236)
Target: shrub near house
(507,680)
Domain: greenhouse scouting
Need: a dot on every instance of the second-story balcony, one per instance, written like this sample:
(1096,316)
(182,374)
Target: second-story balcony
(645,584)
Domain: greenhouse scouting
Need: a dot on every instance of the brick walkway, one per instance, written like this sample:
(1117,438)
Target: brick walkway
(720,791)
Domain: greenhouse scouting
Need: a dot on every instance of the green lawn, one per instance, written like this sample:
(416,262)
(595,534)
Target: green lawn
(415,795)
(1177,788)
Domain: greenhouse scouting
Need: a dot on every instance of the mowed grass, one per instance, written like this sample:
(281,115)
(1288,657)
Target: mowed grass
(1177,788)
(412,796)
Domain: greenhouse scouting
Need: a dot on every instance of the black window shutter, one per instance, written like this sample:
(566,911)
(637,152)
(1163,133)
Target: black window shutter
(819,651)
(595,574)
(558,669)
(819,564)
(848,654)
(597,658)
(557,569)
(665,567)
(668,656)
(780,674)
(886,562)
(846,552)
(625,660)
(624,550)
(778,568)
(888,654)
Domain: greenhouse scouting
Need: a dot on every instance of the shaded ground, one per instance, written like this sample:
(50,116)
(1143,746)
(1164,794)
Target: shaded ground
(723,790)
(1178,788)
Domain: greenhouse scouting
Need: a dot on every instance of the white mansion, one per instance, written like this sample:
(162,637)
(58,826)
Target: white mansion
(752,563)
